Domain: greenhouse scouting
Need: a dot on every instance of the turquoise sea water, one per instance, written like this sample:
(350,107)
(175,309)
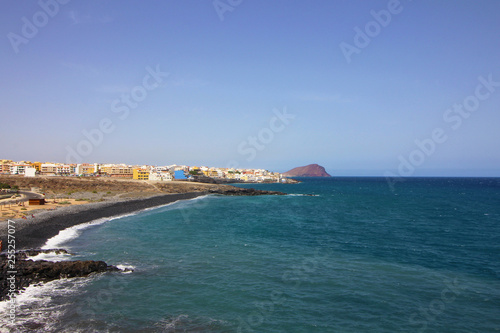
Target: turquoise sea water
(355,257)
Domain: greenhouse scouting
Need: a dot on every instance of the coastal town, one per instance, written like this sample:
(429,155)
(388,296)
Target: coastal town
(141,172)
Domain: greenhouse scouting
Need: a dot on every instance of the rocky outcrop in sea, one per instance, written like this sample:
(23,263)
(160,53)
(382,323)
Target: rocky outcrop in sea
(230,190)
(17,272)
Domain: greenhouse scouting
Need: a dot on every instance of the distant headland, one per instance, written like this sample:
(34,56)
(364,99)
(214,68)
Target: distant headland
(311,170)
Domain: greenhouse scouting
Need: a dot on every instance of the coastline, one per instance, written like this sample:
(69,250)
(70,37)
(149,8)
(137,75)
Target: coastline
(34,233)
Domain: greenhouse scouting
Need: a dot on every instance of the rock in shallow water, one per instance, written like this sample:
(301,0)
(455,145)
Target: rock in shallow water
(20,273)
(243,191)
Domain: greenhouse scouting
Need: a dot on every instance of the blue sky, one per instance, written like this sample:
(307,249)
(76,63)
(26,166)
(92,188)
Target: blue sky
(233,69)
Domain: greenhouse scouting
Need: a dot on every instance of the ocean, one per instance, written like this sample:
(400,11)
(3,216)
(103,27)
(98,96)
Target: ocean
(337,255)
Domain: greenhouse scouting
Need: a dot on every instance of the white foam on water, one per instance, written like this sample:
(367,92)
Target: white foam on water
(201,197)
(180,201)
(34,309)
(158,207)
(170,324)
(185,323)
(68,234)
(51,256)
(179,204)
(71,233)
(302,195)
(125,268)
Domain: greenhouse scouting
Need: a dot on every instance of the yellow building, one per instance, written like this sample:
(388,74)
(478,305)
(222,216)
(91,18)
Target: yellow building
(85,169)
(105,169)
(37,166)
(211,173)
(141,174)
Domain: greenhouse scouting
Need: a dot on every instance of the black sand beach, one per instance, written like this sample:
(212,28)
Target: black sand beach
(33,233)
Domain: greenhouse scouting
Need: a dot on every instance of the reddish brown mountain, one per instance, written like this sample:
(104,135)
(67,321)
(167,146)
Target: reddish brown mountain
(311,170)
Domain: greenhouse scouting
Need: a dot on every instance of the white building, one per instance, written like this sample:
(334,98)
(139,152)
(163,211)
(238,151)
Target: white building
(159,169)
(65,169)
(29,172)
(18,169)
(160,176)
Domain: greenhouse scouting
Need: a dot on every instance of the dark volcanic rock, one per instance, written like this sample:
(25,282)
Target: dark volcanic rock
(31,253)
(29,272)
(244,191)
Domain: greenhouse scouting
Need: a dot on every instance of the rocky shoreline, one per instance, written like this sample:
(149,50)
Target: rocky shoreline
(33,234)
(242,191)
(18,272)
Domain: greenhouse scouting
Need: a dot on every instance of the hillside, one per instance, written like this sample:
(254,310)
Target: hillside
(311,170)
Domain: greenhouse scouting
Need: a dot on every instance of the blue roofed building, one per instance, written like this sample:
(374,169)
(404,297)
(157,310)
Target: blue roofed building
(179,175)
